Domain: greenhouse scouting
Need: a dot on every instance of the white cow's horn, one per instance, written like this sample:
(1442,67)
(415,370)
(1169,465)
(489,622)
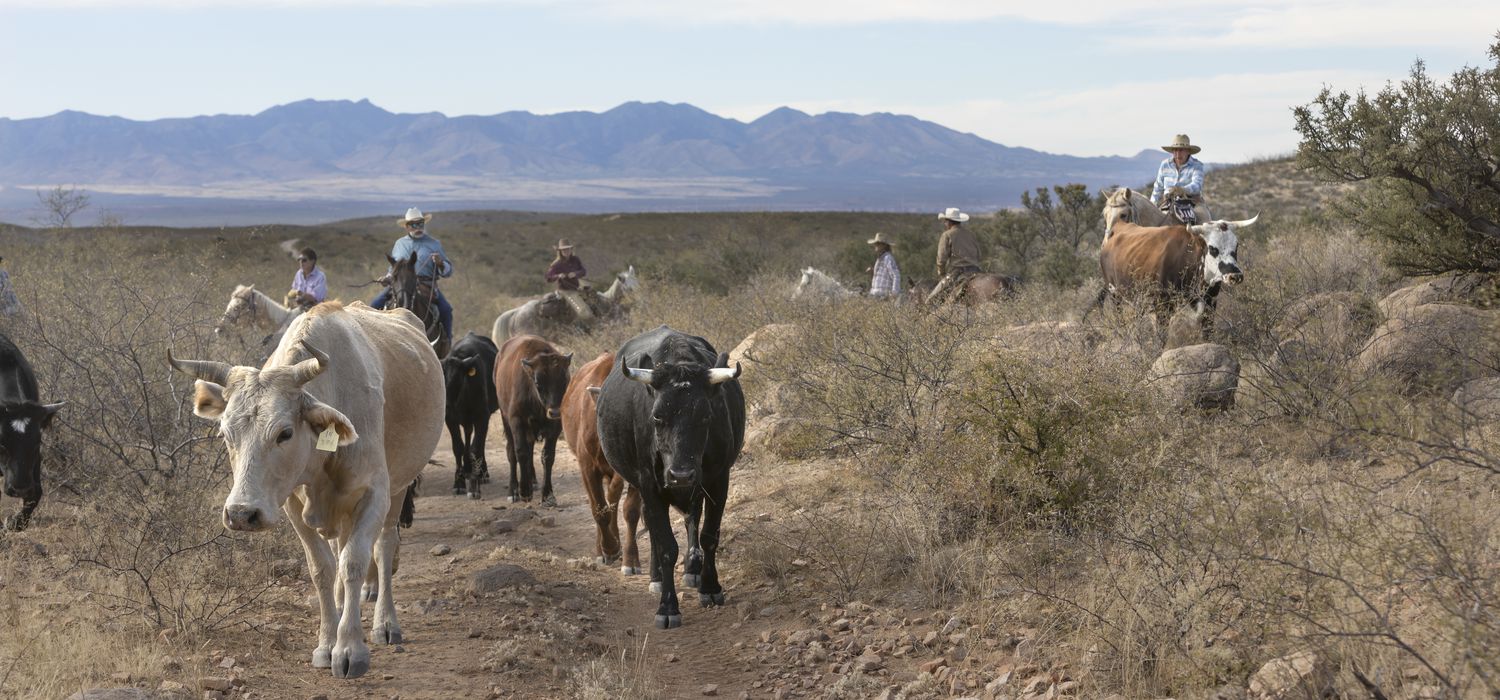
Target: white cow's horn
(306,370)
(719,375)
(1246,222)
(207,370)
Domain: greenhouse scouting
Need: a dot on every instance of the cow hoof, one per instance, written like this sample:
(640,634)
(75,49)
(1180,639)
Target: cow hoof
(630,570)
(370,593)
(549,500)
(691,581)
(666,622)
(473,495)
(458,490)
(656,587)
(387,635)
(15,523)
(709,600)
(352,662)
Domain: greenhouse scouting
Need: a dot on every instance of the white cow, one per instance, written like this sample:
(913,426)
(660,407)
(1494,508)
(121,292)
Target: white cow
(379,395)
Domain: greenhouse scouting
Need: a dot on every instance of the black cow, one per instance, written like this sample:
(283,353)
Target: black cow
(471,399)
(22,418)
(672,422)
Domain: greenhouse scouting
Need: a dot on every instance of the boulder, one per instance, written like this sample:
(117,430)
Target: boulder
(762,344)
(776,436)
(1434,347)
(1332,324)
(1480,399)
(1300,675)
(498,577)
(1469,289)
(1203,376)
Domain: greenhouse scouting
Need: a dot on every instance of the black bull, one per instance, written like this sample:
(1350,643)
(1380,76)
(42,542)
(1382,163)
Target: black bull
(22,418)
(671,421)
(467,371)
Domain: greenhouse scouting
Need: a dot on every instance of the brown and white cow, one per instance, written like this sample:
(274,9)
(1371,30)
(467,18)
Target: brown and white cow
(1170,265)
(330,439)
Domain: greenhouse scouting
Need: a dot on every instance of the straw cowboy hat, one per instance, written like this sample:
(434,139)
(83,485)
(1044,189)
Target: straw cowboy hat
(953,214)
(879,238)
(1181,141)
(563,244)
(414,214)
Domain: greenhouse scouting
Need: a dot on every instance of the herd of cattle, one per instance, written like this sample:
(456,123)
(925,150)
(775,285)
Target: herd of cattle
(335,427)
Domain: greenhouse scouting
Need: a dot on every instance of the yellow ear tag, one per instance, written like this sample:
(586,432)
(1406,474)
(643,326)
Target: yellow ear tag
(328,440)
(473,371)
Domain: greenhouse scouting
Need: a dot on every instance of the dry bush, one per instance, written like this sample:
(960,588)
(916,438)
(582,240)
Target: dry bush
(628,675)
(134,481)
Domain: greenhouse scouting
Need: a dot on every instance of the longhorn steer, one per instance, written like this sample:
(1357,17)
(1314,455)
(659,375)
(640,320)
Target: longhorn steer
(530,379)
(22,418)
(468,372)
(376,400)
(1171,264)
(672,422)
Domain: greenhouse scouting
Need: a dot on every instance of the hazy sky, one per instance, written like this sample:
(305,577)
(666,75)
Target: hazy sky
(1085,78)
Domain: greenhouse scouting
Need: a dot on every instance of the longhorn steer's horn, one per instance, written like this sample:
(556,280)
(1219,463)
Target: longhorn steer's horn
(642,375)
(719,375)
(306,370)
(1246,222)
(207,370)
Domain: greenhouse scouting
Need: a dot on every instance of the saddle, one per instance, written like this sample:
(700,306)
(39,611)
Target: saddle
(1179,205)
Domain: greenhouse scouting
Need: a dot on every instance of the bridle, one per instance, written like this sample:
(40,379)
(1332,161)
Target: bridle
(249,306)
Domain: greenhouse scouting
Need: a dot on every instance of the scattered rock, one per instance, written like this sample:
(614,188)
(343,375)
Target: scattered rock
(1303,674)
(547,520)
(933,665)
(123,677)
(869,662)
(215,683)
(763,517)
(930,638)
(440,550)
(498,577)
(711,689)
(170,686)
(228,662)
(1202,376)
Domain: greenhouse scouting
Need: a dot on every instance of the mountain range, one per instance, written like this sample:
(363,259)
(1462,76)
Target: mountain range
(635,156)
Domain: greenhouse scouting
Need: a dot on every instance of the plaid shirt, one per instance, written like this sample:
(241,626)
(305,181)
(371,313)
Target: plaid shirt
(887,279)
(1190,178)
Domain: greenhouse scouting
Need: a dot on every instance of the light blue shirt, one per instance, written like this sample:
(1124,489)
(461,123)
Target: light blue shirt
(1189,178)
(424,248)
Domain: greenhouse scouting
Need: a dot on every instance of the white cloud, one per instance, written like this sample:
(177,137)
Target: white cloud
(1235,117)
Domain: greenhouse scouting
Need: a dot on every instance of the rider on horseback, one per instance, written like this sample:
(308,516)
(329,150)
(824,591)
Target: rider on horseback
(432,262)
(957,257)
(1179,182)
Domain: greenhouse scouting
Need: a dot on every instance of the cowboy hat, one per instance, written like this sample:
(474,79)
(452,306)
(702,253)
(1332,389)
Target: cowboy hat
(1181,141)
(953,214)
(879,238)
(414,214)
(563,244)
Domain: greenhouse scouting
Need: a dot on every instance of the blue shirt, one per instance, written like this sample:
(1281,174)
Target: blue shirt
(1189,178)
(424,248)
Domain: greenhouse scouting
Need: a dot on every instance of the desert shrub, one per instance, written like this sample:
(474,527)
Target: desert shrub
(129,468)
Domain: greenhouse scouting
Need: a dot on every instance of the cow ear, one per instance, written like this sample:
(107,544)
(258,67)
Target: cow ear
(49,410)
(208,400)
(321,416)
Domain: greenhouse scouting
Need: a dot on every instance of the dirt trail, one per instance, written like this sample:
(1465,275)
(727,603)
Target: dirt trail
(523,640)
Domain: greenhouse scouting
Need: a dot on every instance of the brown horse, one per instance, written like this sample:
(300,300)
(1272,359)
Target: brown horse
(981,288)
(603,486)
(419,296)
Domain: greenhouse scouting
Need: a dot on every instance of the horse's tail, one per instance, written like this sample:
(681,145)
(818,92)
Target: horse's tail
(409,506)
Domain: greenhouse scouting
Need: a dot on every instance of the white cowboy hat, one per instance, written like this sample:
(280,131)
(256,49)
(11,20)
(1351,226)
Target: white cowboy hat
(879,238)
(414,214)
(953,214)
(1181,141)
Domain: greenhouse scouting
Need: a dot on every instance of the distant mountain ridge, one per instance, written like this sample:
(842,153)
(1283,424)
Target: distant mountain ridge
(632,157)
(319,138)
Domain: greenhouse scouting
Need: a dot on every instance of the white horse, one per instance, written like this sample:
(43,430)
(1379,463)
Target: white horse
(817,285)
(625,285)
(251,309)
(1125,204)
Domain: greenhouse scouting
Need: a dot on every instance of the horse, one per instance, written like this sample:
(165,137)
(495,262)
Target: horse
(250,308)
(613,300)
(419,296)
(981,288)
(543,316)
(816,285)
(1125,204)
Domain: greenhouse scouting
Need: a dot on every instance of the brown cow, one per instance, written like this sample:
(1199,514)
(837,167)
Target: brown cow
(1171,264)
(530,379)
(600,482)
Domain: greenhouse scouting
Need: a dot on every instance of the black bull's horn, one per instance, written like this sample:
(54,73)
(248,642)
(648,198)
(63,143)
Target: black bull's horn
(207,370)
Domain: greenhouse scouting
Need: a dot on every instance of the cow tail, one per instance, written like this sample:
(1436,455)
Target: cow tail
(409,506)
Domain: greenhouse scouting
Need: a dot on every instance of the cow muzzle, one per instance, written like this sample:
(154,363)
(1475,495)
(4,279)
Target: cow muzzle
(554,413)
(244,518)
(681,476)
(1234,278)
